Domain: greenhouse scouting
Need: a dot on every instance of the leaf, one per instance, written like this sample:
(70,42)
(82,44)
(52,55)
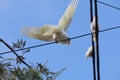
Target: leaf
(7,64)
(24,43)
(18,60)
(18,42)
(27,50)
(21,42)
(16,45)
(12,59)
(55,75)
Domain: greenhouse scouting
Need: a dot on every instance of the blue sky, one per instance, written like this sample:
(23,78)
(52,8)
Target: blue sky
(17,13)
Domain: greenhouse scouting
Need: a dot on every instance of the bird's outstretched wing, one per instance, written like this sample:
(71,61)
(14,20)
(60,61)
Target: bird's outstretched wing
(37,32)
(65,20)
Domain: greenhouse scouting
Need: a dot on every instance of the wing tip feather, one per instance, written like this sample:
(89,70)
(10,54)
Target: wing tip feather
(74,3)
(25,31)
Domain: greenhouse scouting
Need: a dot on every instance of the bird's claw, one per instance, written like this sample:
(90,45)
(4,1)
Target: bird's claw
(56,41)
(68,39)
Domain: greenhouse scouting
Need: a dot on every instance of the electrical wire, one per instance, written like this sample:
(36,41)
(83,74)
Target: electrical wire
(108,5)
(72,37)
(93,55)
(12,50)
(45,44)
(97,40)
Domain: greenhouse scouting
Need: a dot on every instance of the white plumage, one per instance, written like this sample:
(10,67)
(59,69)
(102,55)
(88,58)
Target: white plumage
(93,28)
(89,52)
(53,32)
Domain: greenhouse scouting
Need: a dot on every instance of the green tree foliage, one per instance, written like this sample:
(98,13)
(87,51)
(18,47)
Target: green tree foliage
(11,71)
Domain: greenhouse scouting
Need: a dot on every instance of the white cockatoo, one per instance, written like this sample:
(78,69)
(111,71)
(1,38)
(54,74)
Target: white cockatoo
(89,52)
(93,28)
(53,32)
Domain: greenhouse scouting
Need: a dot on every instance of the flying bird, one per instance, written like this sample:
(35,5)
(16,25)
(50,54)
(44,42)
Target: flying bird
(93,28)
(57,32)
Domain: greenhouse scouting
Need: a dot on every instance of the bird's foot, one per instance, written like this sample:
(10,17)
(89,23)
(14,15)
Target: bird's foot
(56,41)
(68,40)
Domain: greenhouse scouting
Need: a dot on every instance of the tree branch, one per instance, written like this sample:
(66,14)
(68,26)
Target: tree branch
(14,53)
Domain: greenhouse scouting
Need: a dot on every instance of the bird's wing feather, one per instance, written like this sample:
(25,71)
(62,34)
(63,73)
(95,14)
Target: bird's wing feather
(65,20)
(37,32)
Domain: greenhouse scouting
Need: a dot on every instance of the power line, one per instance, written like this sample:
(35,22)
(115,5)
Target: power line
(97,40)
(12,50)
(108,5)
(93,55)
(45,44)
